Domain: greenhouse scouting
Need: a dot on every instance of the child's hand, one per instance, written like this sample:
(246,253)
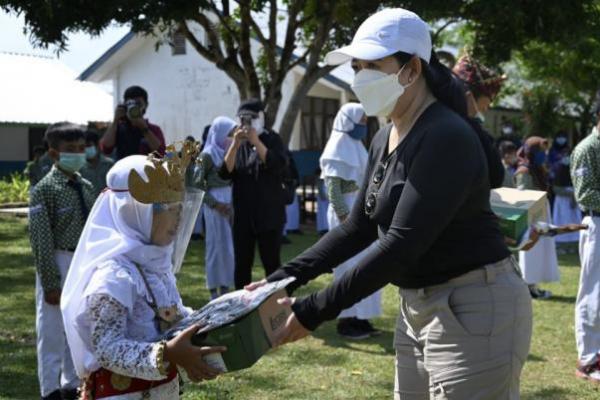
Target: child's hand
(52,297)
(182,352)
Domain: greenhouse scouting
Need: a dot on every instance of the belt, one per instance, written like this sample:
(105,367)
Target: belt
(591,213)
(486,273)
(104,383)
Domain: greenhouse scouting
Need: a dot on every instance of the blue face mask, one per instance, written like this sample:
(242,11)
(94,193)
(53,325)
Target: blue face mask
(71,162)
(91,152)
(359,132)
(539,158)
(561,140)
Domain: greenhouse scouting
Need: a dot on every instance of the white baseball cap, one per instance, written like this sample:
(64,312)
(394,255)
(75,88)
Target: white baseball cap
(384,33)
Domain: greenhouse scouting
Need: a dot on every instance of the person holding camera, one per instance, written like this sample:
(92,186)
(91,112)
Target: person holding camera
(130,133)
(255,163)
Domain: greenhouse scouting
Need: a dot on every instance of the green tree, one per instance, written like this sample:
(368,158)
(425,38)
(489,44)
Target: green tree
(312,27)
(571,72)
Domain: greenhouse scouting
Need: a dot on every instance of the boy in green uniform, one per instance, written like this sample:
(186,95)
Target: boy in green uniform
(97,165)
(59,206)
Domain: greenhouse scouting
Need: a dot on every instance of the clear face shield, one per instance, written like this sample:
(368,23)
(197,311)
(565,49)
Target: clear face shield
(190,208)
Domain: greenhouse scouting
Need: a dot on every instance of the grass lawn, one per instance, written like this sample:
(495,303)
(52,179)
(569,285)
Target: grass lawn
(321,367)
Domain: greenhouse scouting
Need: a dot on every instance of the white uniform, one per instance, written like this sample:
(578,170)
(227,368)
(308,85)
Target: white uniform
(292,212)
(346,158)
(540,264)
(220,262)
(587,306)
(55,366)
(566,212)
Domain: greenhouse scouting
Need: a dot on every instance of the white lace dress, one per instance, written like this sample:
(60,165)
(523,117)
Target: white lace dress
(125,337)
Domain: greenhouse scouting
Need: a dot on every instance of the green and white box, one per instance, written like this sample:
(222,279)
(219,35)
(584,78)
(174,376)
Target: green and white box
(247,323)
(518,209)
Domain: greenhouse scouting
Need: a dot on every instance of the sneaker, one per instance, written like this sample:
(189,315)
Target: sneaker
(539,294)
(366,325)
(53,396)
(590,372)
(348,329)
(69,394)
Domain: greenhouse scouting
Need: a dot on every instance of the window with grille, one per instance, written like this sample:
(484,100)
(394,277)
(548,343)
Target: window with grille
(316,122)
(177,44)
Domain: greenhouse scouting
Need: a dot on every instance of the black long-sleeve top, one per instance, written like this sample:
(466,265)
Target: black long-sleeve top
(432,218)
(258,194)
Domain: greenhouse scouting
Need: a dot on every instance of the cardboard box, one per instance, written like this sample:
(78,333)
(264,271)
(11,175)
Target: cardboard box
(518,209)
(247,323)
(248,338)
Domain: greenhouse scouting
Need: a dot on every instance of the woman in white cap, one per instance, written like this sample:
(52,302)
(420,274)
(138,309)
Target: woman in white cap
(121,292)
(343,165)
(465,322)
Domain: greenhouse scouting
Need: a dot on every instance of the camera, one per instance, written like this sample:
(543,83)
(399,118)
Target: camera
(133,109)
(246,120)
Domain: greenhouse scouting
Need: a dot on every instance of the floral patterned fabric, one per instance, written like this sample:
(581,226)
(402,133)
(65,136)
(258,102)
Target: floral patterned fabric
(118,352)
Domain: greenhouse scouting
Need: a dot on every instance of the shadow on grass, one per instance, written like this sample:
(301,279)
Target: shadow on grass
(331,339)
(534,358)
(562,299)
(18,374)
(569,260)
(550,393)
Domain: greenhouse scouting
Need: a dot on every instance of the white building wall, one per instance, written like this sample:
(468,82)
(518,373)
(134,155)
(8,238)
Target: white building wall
(14,143)
(186,92)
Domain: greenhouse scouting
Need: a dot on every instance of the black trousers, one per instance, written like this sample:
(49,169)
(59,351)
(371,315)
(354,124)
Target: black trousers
(244,243)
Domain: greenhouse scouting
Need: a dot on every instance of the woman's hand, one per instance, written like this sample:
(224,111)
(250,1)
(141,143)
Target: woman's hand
(239,136)
(293,329)
(255,285)
(223,209)
(180,351)
(252,136)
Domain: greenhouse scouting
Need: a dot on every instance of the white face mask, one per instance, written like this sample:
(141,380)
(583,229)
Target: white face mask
(480,117)
(377,91)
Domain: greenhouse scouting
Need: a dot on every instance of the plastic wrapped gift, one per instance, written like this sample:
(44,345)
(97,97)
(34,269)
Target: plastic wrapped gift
(245,322)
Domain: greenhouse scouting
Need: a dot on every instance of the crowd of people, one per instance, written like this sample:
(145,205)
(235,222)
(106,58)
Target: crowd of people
(413,211)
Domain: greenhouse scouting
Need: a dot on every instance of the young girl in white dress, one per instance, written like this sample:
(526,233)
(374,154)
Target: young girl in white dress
(121,293)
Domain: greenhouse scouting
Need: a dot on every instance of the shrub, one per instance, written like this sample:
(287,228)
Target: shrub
(14,189)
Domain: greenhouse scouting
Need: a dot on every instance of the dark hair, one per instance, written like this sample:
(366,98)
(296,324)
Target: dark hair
(506,147)
(190,138)
(596,104)
(135,91)
(444,85)
(91,136)
(63,132)
(38,150)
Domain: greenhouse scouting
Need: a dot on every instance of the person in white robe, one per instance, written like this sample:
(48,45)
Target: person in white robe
(343,165)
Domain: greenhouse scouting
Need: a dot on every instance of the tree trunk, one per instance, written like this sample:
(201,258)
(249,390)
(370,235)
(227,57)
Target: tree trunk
(291,113)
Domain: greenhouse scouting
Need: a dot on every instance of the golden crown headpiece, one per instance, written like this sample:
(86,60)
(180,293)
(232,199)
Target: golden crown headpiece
(166,175)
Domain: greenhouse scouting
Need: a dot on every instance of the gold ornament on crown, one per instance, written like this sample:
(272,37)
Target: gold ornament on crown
(166,176)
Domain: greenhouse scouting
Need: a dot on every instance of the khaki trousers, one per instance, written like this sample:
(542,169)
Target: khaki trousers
(466,339)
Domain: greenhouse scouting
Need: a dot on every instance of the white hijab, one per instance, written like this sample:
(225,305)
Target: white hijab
(343,156)
(118,228)
(216,140)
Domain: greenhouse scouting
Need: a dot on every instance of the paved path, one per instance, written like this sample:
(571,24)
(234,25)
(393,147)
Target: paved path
(17,212)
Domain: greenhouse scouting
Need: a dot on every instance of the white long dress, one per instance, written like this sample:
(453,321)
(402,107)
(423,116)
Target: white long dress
(292,213)
(220,262)
(566,212)
(540,264)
